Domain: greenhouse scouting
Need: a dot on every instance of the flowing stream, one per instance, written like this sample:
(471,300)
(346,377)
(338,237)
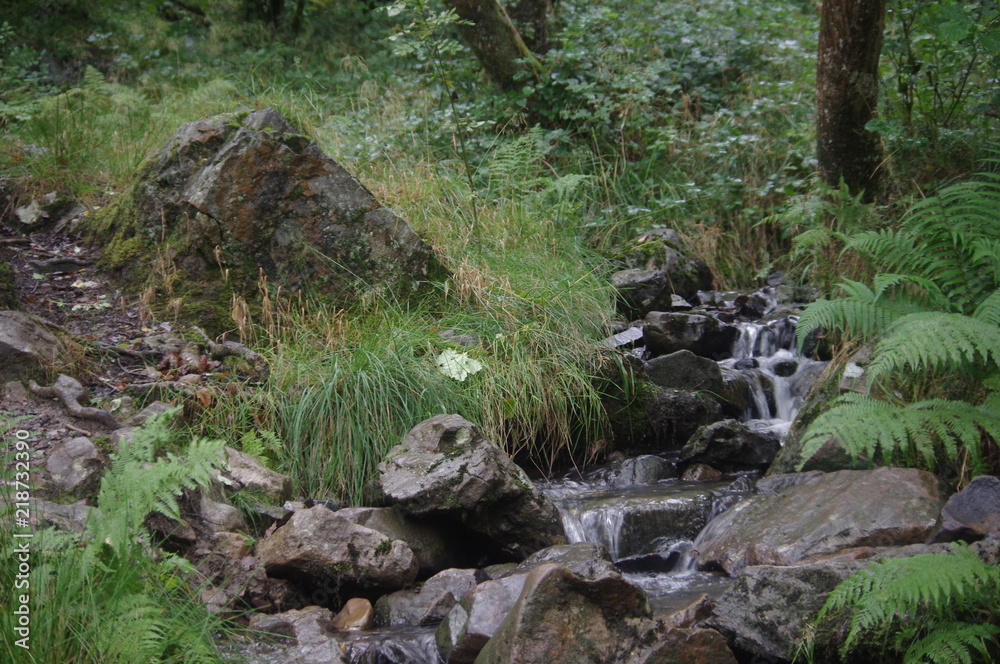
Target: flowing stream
(649,529)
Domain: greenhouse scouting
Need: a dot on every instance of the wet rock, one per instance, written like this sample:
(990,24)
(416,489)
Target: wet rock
(26,347)
(313,624)
(683,370)
(319,547)
(445,468)
(687,646)
(429,603)
(973,513)
(674,416)
(585,559)
(769,610)
(736,395)
(690,615)
(669,332)
(701,472)
(74,464)
(646,469)
(475,619)
(249,473)
(781,483)
(245,193)
(785,368)
(435,546)
(561,617)
(882,507)
(356,614)
(731,446)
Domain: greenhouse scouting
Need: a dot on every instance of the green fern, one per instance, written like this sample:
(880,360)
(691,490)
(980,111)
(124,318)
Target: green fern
(935,309)
(919,431)
(136,485)
(940,605)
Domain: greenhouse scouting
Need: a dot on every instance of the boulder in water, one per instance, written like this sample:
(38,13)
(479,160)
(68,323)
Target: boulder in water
(356,614)
(687,646)
(683,370)
(669,332)
(731,446)
(476,618)
(445,468)
(849,508)
(313,624)
(585,559)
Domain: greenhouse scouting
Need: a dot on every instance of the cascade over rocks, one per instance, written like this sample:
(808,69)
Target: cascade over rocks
(242,194)
(825,514)
(444,467)
(561,617)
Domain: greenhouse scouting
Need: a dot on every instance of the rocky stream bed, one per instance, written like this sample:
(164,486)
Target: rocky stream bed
(693,542)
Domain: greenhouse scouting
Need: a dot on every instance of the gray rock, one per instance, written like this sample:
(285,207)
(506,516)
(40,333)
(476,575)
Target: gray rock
(674,415)
(828,513)
(435,546)
(220,517)
(668,332)
(780,483)
(687,646)
(769,610)
(731,446)
(428,603)
(318,547)
(249,473)
(311,625)
(72,517)
(74,464)
(683,370)
(641,291)
(645,469)
(26,347)
(475,619)
(561,617)
(246,193)
(155,409)
(444,467)
(585,559)
(973,513)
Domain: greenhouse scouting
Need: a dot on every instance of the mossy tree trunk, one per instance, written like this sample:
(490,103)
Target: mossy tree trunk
(850,42)
(495,41)
(531,17)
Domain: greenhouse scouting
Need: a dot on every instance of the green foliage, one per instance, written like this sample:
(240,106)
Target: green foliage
(102,596)
(136,484)
(935,315)
(263,444)
(935,608)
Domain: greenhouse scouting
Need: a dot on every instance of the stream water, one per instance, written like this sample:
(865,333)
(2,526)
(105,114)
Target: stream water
(649,529)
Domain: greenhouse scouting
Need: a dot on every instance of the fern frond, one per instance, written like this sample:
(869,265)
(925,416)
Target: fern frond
(989,309)
(953,643)
(863,314)
(936,340)
(888,249)
(866,426)
(941,585)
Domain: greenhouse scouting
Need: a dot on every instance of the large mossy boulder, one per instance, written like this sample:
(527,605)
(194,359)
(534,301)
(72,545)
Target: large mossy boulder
(238,195)
(657,267)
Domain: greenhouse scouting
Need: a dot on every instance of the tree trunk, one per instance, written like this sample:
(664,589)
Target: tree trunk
(495,41)
(531,17)
(850,42)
